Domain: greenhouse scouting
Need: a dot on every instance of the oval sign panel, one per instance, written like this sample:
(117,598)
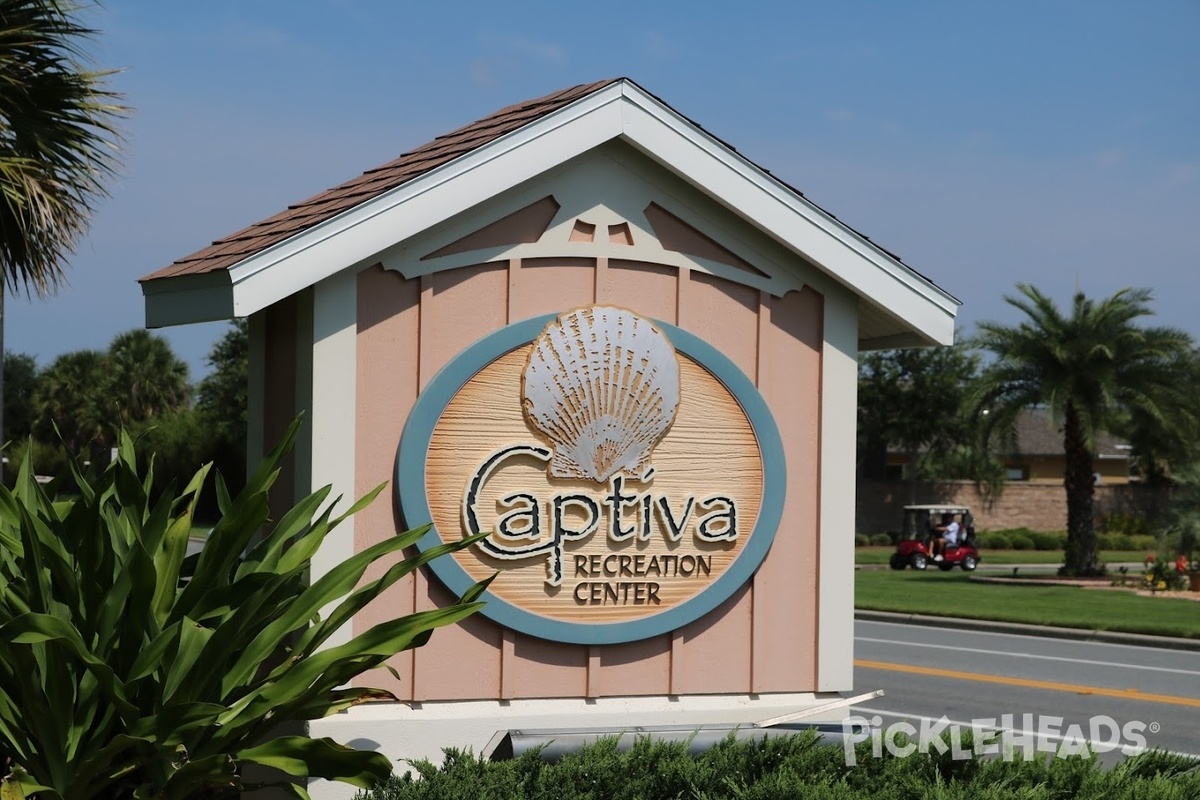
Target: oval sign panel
(629,477)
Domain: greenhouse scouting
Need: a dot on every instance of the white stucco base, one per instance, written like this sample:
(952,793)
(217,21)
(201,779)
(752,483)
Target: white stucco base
(422,730)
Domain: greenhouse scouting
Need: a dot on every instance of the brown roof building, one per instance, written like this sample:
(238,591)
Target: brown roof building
(1038,454)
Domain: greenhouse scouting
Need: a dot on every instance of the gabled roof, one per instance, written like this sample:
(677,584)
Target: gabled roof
(350,223)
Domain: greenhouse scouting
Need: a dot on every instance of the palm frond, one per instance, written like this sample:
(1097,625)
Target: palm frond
(60,139)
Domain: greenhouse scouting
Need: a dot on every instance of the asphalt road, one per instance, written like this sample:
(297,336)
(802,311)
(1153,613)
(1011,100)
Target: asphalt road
(930,672)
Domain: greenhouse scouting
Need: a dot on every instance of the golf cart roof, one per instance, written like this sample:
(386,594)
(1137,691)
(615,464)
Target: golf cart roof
(939,509)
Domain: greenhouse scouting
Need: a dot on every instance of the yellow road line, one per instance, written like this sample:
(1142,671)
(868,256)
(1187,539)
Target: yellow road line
(1125,694)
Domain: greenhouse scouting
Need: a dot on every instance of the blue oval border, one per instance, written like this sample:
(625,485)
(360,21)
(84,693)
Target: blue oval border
(414,505)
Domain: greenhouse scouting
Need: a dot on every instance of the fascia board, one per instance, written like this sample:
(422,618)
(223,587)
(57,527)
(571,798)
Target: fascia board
(187,299)
(395,215)
(673,141)
(895,341)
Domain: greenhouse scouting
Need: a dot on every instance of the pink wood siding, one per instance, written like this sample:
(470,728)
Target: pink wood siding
(389,310)
(458,307)
(785,627)
(763,639)
(537,285)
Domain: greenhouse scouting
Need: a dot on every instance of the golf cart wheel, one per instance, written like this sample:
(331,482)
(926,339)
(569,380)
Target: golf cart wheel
(969,563)
(918,561)
(898,561)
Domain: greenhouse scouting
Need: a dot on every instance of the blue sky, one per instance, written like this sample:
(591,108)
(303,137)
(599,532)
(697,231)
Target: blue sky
(1055,143)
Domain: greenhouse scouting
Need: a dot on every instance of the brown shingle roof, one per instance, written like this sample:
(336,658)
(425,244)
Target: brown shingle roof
(236,247)
(1037,435)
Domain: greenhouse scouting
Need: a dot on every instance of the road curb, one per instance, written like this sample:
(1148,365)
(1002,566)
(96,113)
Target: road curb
(991,626)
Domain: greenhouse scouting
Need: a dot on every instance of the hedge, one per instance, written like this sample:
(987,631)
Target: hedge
(1021,542)
(1026,539)
(1125,541)
(795,766)
(993,541)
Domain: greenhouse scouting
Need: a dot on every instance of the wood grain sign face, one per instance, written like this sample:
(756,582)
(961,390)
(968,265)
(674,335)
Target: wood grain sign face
(629,478)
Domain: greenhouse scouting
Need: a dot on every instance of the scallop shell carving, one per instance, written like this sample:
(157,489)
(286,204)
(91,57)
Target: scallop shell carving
(602,385)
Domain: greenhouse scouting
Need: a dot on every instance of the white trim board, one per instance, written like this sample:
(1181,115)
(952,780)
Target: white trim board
(334,382)
(835,565)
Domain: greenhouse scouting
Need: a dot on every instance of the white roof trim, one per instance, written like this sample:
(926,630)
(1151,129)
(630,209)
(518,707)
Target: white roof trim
(621,109)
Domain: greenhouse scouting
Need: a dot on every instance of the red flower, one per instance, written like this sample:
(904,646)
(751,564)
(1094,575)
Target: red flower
(1181,564)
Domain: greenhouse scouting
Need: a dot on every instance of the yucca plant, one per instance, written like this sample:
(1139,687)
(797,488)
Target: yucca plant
(131,670)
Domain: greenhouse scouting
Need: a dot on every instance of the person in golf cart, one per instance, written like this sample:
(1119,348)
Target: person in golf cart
(936,534)
(946,535)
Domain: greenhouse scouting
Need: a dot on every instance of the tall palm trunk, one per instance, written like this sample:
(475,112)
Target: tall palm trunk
(1080,486)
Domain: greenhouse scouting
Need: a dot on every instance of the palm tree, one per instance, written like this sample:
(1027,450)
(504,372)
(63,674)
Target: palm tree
(69,399)
(1092,369)
(146,379)
(221,396)
(58,143)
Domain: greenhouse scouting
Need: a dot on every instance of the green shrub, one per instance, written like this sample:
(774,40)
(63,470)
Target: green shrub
(46,460)
(861,540)
(1125,541)
(1119,522)
(1143,541)
(1048,541)
(1111,541)
(994,540)
(1021,542)
(881,540)
(790,766)
(182,442)
(1011,532)
(132,670)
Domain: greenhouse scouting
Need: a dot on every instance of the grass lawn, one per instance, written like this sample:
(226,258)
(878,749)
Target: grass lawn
(880,555)
(1067,606)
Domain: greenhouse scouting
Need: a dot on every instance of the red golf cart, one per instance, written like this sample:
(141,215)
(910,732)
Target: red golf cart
(915,548)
